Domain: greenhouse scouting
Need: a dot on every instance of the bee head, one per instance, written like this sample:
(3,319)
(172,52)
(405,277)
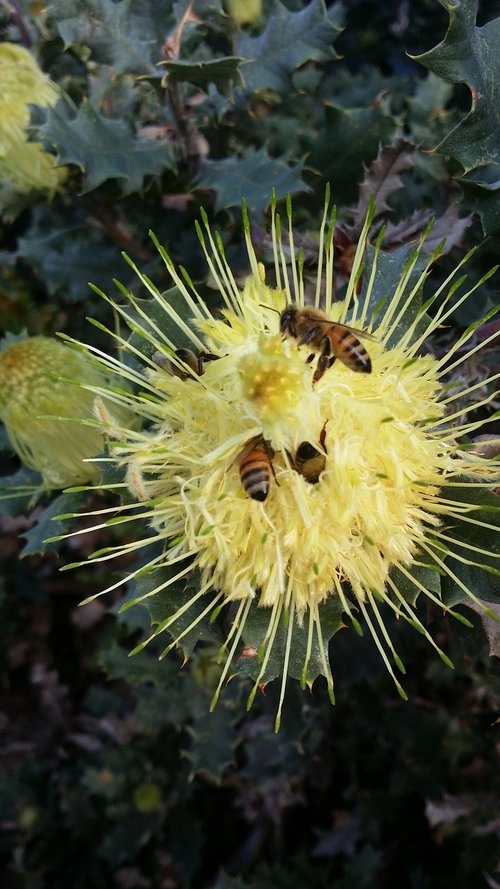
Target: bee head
(287,320)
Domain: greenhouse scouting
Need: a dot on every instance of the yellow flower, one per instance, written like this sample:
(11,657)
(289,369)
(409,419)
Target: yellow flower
(25,164)
(369,524)
(38,403)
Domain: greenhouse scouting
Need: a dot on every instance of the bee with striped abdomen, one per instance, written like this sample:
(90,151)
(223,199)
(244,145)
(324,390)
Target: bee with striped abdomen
(255,467)
(311,327)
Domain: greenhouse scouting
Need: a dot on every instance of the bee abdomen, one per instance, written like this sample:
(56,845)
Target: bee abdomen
(353,353)
(255,476)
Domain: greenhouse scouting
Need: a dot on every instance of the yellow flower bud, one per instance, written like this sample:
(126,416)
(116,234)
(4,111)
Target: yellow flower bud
(244,12)
(26,165)
(35,406)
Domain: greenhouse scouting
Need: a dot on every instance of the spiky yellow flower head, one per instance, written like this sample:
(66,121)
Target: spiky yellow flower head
(38,403)
(289,486)
(25,164)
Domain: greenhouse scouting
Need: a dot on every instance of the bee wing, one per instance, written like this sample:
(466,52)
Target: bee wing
(362,334)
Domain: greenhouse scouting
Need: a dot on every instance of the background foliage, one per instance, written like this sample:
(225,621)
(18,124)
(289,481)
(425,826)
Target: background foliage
(114,774)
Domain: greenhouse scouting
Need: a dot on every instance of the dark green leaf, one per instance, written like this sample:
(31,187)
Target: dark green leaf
(482,583)
(470,55)
(166,602)
(290,39)
(127,35)
(347,139)
(427,577)
(251,177)
(256,626)
(140,669)
(481,190)
(388,274)
(158,316)
(213,743)
(103,148)
(66,253)
(221,72)
(47,527)
(19,492)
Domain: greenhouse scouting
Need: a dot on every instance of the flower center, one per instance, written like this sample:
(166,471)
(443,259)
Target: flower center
(270,380)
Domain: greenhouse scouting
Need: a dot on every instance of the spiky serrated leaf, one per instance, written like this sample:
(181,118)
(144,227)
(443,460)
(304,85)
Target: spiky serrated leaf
(389,270)
(164,603)
(383,177)
(158,316)
(485,584)
(254,633)
(213,743)
(450,226)
(103,148)
(348,139)
(470,55)
(481,193)
(66,252)
(48,525)
(251,177)
(406,230)
(223,73)
(290,39)
(127,35)
(426,108)
(19,492)
(422,575)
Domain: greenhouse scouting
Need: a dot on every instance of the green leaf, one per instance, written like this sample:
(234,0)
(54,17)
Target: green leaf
(290,39)
(221,72)
(256,627)
(103,148)
(54,233)
(349,138)
(470,55)
(482,583)
(166,602)
(213,742)
(49,526)
(127,35)
(390,267)
(428,577)
(164,321)
(19,492)
(139,670)
(481,192)
(251,177)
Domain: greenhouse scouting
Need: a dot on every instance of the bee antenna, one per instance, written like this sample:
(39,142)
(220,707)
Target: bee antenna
(271,309)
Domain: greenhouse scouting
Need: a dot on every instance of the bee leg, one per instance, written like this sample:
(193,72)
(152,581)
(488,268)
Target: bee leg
(208,356)
(270,454)
(310,335)
(322,437)
(325,360)
(310,358)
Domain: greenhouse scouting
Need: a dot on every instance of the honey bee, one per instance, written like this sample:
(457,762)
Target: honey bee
(255,467)
(333,340)
(309,461)
(189,358)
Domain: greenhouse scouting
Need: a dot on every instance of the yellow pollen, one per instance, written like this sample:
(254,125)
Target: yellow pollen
(269,380)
